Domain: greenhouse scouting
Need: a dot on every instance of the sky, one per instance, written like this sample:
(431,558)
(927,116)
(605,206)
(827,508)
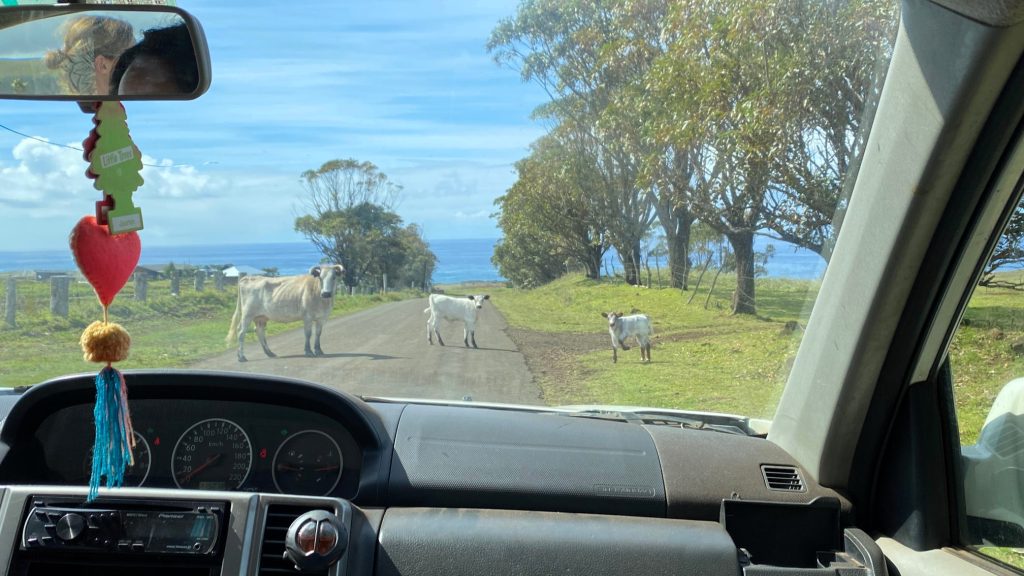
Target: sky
(406,84)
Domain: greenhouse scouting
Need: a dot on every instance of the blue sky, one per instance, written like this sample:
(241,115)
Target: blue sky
(407,85)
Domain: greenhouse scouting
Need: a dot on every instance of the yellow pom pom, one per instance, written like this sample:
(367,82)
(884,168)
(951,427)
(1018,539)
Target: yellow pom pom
(105,342)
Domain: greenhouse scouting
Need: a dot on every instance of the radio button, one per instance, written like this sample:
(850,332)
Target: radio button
(124,545)
(138,546)
(46,540)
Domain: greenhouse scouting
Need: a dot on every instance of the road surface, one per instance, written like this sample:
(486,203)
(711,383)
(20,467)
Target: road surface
(383,351)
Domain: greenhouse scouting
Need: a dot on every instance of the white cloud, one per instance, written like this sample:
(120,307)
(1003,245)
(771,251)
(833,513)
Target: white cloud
(44,191)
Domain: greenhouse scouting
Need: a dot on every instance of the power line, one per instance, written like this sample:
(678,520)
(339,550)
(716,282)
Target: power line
(45,141)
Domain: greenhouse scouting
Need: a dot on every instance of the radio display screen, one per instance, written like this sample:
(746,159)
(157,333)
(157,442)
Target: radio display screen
(193,532)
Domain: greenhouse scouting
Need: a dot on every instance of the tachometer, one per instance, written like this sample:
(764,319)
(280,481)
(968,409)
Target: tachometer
(307,462)
(213,454)
(136,473)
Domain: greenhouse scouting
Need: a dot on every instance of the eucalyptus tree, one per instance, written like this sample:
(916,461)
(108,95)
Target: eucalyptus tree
(561,46)
(551,208)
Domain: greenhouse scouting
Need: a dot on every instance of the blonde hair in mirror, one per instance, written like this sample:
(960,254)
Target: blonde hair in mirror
(85,39)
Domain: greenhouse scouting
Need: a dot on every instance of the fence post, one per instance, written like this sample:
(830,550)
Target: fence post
(200,280)
(385,283)
(218,280)
(141,285)
(59,295)
(12,301)
(175,283)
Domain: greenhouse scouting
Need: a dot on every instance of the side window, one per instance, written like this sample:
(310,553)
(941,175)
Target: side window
(987,364)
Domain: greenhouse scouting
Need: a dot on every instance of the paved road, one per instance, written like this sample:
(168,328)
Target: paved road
(383,351)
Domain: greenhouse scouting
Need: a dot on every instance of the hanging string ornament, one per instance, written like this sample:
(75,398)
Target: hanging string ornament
(106,249)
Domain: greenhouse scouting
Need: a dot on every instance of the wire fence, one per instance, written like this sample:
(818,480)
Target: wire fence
(61,296)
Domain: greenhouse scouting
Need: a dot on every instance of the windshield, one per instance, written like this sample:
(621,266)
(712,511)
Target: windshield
(608,202)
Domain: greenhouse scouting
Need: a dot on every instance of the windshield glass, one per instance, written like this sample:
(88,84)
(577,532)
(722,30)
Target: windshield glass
(609,202)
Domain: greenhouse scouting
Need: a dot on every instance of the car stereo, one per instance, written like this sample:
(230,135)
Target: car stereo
(124,526)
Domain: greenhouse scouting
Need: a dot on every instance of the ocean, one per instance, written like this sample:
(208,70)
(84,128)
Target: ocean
(458,260)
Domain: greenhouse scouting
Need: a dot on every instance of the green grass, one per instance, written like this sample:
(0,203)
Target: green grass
(704,359)
(1008,556)
(167,331)
(738,372)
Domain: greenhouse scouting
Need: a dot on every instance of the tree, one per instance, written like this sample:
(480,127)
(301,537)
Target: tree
(641,37)
(1009,252)
(419,261)
(559,46)
(833,81)
(552,203)
(351,221)
(340,184)
(718,95)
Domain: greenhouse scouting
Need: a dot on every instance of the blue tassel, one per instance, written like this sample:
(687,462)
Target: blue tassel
(112,447)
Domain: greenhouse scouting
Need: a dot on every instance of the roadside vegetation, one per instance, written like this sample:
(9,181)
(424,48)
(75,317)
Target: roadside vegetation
(167,331)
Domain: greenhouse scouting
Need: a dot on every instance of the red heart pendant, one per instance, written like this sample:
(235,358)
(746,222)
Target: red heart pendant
(106,261)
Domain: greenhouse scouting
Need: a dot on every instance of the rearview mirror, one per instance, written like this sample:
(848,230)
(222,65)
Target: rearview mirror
(102,52)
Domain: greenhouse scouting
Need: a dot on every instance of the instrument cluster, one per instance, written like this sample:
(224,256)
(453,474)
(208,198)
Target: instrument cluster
(219,445)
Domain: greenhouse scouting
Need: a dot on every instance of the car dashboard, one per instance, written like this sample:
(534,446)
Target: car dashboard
(411,488)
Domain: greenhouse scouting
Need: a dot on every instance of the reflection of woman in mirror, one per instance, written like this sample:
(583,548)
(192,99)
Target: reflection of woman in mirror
(163,62)
(92,44)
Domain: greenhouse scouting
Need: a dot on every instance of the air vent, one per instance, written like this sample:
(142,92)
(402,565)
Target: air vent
(785,478)
(279,518)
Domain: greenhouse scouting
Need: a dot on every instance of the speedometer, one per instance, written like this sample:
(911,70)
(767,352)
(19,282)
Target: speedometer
(213,454)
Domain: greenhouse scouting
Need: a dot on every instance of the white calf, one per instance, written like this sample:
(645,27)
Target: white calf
(622,327)
(462,309)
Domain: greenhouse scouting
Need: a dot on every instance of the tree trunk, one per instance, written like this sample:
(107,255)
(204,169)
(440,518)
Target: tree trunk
(743,301)
(592,262)
(678,240)
(631,264)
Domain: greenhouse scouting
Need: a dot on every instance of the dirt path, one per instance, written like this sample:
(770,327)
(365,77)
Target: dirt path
(383,352)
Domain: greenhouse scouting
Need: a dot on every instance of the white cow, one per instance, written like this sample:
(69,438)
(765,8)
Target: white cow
(459,309)
(306,297)
(622,327)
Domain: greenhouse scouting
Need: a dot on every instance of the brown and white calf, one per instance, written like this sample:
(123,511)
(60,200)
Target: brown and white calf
(622,327)
(463,309)
(306,297)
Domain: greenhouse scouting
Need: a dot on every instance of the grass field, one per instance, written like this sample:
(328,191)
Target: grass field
(703,358)
(167,331)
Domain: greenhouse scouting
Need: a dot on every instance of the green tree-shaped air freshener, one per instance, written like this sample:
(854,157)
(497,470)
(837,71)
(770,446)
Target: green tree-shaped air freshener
(116,162)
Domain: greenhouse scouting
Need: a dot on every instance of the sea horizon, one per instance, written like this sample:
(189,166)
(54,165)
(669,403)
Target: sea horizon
(459,259)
